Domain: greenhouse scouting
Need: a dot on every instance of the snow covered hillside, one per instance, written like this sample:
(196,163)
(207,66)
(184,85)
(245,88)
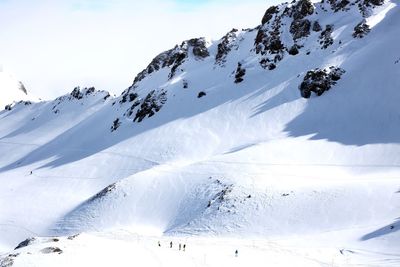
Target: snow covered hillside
(286,133)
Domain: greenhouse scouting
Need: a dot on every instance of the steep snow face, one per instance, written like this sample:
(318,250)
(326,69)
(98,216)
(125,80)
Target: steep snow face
(295,122)
(11,90)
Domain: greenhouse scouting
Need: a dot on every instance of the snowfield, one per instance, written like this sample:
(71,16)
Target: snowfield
(213,146)
(122,248)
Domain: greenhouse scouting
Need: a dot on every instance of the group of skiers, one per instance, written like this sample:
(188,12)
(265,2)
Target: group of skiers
(181,247)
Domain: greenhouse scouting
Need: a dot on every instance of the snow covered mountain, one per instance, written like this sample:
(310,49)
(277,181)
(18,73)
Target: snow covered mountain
(290,130)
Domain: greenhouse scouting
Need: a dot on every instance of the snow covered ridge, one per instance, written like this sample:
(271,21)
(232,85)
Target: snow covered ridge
(215,138)
(287,30)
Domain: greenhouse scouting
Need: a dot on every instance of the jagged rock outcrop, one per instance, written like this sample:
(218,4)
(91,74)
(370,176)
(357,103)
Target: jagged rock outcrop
(294,50)
(325,37)
(8,261)
(174,57)
(300,28)
(316,26)
(201,94)
(199,48)
(269,14)
(225,46)
(240,72)
(12,105)
(79,94)
(115,125)
(268,39)
(361,29)
(339,5)
(268,42)
(365,6)
(151,104)
(319,81)
(25,243)
(300,9)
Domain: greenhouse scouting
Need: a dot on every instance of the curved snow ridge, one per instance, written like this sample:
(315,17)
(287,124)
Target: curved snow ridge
(151,199)
(210,199)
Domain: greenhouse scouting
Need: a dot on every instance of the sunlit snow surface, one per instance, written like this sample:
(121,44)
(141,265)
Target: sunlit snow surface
(251,167)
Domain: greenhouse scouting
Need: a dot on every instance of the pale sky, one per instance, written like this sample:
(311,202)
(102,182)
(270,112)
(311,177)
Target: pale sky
(53,46)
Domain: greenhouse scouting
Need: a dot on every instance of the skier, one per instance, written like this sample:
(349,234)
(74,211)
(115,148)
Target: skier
(159,244)
(184,247)
(31,173)
(180,246)
(236,253)
(170,244)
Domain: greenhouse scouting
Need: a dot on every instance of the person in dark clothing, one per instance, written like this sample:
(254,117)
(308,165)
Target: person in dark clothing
(159,244)
(236,253)
(180,246)
(184,247)
(170,244)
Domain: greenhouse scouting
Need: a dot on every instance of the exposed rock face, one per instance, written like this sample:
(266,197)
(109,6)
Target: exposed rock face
(185,84)
(79,93)
(319,81)
(316,26)
(199,48)
(8,107)
(361,29)
(300,28)
(325,37)
(151,104)
(201,94)
(115,125)
(365,6)
(339,5)
(173,58)
(300,18)
(269,14)
(301,9)
(25,243)
(293,50)
(8,261)
(11,106)
(270,41)
(240,72)
(225,46)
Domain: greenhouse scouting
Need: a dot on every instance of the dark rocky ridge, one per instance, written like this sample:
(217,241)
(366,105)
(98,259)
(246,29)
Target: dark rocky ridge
(225,46)
(174,57)
(361,29)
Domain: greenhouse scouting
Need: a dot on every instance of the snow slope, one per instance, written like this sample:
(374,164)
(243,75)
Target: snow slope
(248,158)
